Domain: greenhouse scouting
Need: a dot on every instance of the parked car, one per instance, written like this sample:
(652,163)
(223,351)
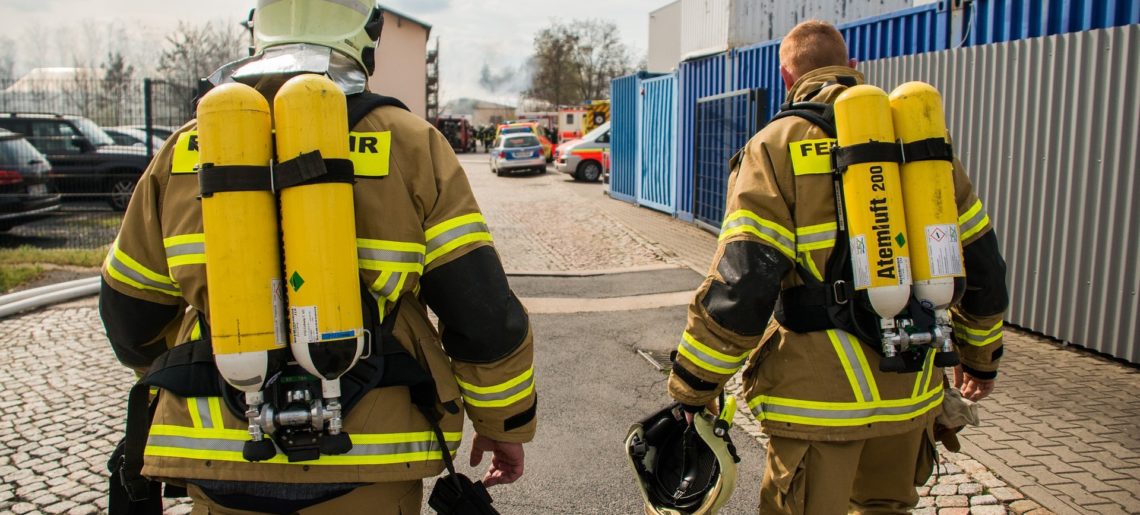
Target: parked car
(582,158)
(132,137)
(85,161)
(26,191)
(529,128)
(161,132)
(517,152)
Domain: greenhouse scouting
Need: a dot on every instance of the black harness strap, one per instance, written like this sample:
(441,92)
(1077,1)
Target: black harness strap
(932,149)
(860,153)
(311,168)
(213,179)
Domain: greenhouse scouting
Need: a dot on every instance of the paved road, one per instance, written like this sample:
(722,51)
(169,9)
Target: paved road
(1071,444)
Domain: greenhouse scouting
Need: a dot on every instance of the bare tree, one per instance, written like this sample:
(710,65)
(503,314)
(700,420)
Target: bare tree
(7,58)
(574,62)
(194,51)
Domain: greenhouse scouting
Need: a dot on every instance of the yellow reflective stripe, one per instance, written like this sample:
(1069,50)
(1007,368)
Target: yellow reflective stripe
(196,332)
(809,264)
(499,395)
(225,445)
(816,237)
(192,407)
(843,414)
(973,221)
(708,358)
(185,249)
(125,269)
(448,225)
(811,156)
(215,411)
(978,337)
(850,353)
(454,233)
(746,222)
(399,288)
(924,377)
(386,255)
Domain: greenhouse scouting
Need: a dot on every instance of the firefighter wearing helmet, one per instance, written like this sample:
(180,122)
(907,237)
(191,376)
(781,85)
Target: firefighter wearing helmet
(848,219)
(270,286)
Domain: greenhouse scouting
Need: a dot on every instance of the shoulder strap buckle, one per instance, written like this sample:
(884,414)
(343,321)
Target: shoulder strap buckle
(839,290)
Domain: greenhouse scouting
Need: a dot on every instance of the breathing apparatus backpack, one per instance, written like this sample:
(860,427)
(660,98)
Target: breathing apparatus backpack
(867,282)
(193,369)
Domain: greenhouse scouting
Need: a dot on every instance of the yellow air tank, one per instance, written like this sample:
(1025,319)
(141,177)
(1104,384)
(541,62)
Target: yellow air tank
(319,235)
(873,202)
(243,263)
(928,192)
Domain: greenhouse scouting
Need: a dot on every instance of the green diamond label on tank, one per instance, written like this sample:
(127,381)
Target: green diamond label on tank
(296,281)
(900,239)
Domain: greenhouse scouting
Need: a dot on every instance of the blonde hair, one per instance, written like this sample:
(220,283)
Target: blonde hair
(810,45)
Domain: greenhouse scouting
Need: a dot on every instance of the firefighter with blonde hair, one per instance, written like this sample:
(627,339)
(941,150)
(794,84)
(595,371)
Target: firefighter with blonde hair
(841,323)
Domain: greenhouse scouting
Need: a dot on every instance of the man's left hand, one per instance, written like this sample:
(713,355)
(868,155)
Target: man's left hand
(972,388)
(506,460)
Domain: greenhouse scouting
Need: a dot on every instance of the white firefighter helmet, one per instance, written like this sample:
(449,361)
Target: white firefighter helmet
(682,468)
(351,27)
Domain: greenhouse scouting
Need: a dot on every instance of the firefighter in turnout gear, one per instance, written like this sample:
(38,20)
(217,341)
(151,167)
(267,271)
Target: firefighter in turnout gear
(351,417)
(846,431)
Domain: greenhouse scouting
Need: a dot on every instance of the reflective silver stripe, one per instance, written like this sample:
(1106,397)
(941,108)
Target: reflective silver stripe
(204,412)
(463,230)
(972,223)
(226,445)
(856,366)
(185,249)
(805,239)
(768,231)
(964,332)
(127,271)
(844,414)
(498,396)
(926,362)
(708,359)
(392,256)
(390,286)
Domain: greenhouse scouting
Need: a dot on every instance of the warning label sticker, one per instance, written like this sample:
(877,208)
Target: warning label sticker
(861,267)
(305,328)
(903,264)
(278,312)
(944,250)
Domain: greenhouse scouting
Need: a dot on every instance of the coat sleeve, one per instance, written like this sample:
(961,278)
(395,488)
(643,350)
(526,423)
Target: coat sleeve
(733,305)
(977,319)
(139,302)
(484,327)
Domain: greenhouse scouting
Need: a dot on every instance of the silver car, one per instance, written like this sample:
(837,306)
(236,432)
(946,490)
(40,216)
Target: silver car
(517,153)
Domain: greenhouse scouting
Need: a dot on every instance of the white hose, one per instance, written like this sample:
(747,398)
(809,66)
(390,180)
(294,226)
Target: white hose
(13,303)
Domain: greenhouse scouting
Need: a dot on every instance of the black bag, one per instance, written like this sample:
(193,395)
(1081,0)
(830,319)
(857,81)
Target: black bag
(455,494)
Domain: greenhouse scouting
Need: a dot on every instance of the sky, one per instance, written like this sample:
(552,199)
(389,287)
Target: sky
(471,33)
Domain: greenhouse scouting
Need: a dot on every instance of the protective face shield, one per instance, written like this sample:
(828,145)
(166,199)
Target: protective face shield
(336,38)
(682,468)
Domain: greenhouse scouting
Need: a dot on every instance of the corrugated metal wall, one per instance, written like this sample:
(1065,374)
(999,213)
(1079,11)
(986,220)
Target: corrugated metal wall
(1049,130)
(905,32)
(695,79)
(995,21)
(704,26)
(657,153)
(623,143)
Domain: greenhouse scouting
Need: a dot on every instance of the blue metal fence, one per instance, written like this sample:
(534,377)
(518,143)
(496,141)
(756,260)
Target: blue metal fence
(623,143)
(657,156)
(995,21)
(724,124)
(695,79)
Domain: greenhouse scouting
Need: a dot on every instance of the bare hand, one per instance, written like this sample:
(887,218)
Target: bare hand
(972,388)
(506,460)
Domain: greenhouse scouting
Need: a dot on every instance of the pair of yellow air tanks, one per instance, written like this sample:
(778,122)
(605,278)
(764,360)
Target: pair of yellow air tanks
(280,253)
(902,219)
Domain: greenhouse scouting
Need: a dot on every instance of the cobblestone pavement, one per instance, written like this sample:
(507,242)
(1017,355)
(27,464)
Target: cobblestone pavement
(1060,433)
